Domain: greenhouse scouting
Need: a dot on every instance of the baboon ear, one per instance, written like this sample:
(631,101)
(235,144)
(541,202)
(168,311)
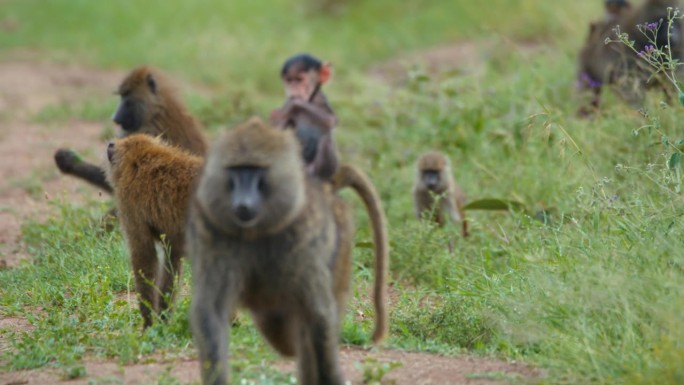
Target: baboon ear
(151,83)
(592,27)
(326,72)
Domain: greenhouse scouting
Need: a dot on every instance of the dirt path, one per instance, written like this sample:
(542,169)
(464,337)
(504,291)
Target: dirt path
(464,57)
(30,180)
(415,369)
(27,171)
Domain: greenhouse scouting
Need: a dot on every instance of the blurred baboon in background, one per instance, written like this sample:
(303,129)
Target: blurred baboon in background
(436,193)
(615,64)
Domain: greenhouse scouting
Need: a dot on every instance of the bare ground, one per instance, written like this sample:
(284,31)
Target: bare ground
(27,171)
(465,57)
(415,369)
(26,157)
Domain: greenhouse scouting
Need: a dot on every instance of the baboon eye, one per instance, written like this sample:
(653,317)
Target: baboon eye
(151,83)
(261,186)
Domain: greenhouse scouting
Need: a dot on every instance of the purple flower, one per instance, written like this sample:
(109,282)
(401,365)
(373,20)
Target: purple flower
(586,80)
(648,50)
(651,26)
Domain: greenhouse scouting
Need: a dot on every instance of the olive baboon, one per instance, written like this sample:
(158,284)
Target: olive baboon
(308,112)
(435,191)
(264,236)
(152,184)
(148,105)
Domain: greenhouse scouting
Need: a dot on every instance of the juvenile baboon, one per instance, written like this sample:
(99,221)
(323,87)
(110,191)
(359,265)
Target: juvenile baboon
(435,191)
(602,64)
(152,184)
(150,106)
(264,236)
(308,112)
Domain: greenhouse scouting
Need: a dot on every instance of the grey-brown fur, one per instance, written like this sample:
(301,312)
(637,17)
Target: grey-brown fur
(288,260)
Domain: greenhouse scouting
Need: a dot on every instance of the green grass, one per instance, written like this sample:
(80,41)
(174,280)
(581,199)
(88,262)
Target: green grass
(222,40)
(594,296)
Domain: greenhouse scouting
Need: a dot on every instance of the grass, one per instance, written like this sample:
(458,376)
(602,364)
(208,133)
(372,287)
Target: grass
(594,296)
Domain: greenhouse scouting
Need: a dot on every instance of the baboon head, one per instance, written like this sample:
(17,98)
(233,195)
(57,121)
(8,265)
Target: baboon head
(433,170)
(141,92)
(125,154)
(253,180)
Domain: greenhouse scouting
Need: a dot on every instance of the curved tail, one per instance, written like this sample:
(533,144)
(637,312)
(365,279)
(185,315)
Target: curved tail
(350,176)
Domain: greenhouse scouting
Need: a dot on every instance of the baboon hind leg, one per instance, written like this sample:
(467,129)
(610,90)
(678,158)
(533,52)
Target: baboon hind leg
(145,269)
(169,277)
(277,329)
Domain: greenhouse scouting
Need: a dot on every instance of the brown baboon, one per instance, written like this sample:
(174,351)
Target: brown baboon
(602,64)
(152,184)
(264,236)
(436,192)
(308,112)
(148,105)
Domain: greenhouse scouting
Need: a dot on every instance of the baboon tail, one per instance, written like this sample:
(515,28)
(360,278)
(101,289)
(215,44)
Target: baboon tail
(350,176)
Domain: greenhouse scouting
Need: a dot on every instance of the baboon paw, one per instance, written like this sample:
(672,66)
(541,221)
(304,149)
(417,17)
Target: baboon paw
(66,159)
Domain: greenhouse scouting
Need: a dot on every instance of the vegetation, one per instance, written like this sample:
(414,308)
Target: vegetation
(595,294)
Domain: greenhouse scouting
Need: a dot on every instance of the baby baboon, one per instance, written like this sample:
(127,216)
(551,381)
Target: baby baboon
(152,184)
(437,193)
(264,236)
(308,112)
(148,105)
(615,64)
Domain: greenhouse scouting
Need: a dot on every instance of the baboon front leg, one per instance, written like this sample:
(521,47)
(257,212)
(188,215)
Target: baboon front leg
(212,302)
(317,355)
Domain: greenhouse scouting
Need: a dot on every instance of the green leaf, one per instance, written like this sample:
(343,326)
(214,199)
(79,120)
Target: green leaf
(364,245)
(494,204)
(674,161)
(681,98)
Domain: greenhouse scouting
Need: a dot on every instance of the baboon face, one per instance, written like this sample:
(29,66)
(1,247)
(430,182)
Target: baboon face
(433,168)
(138,93)
(299,83)
(247,189)
(117,153)
(431,179)
(303,75)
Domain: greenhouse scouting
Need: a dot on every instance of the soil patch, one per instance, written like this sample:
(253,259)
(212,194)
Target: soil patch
(465,56)
(30,178)
(414,369)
